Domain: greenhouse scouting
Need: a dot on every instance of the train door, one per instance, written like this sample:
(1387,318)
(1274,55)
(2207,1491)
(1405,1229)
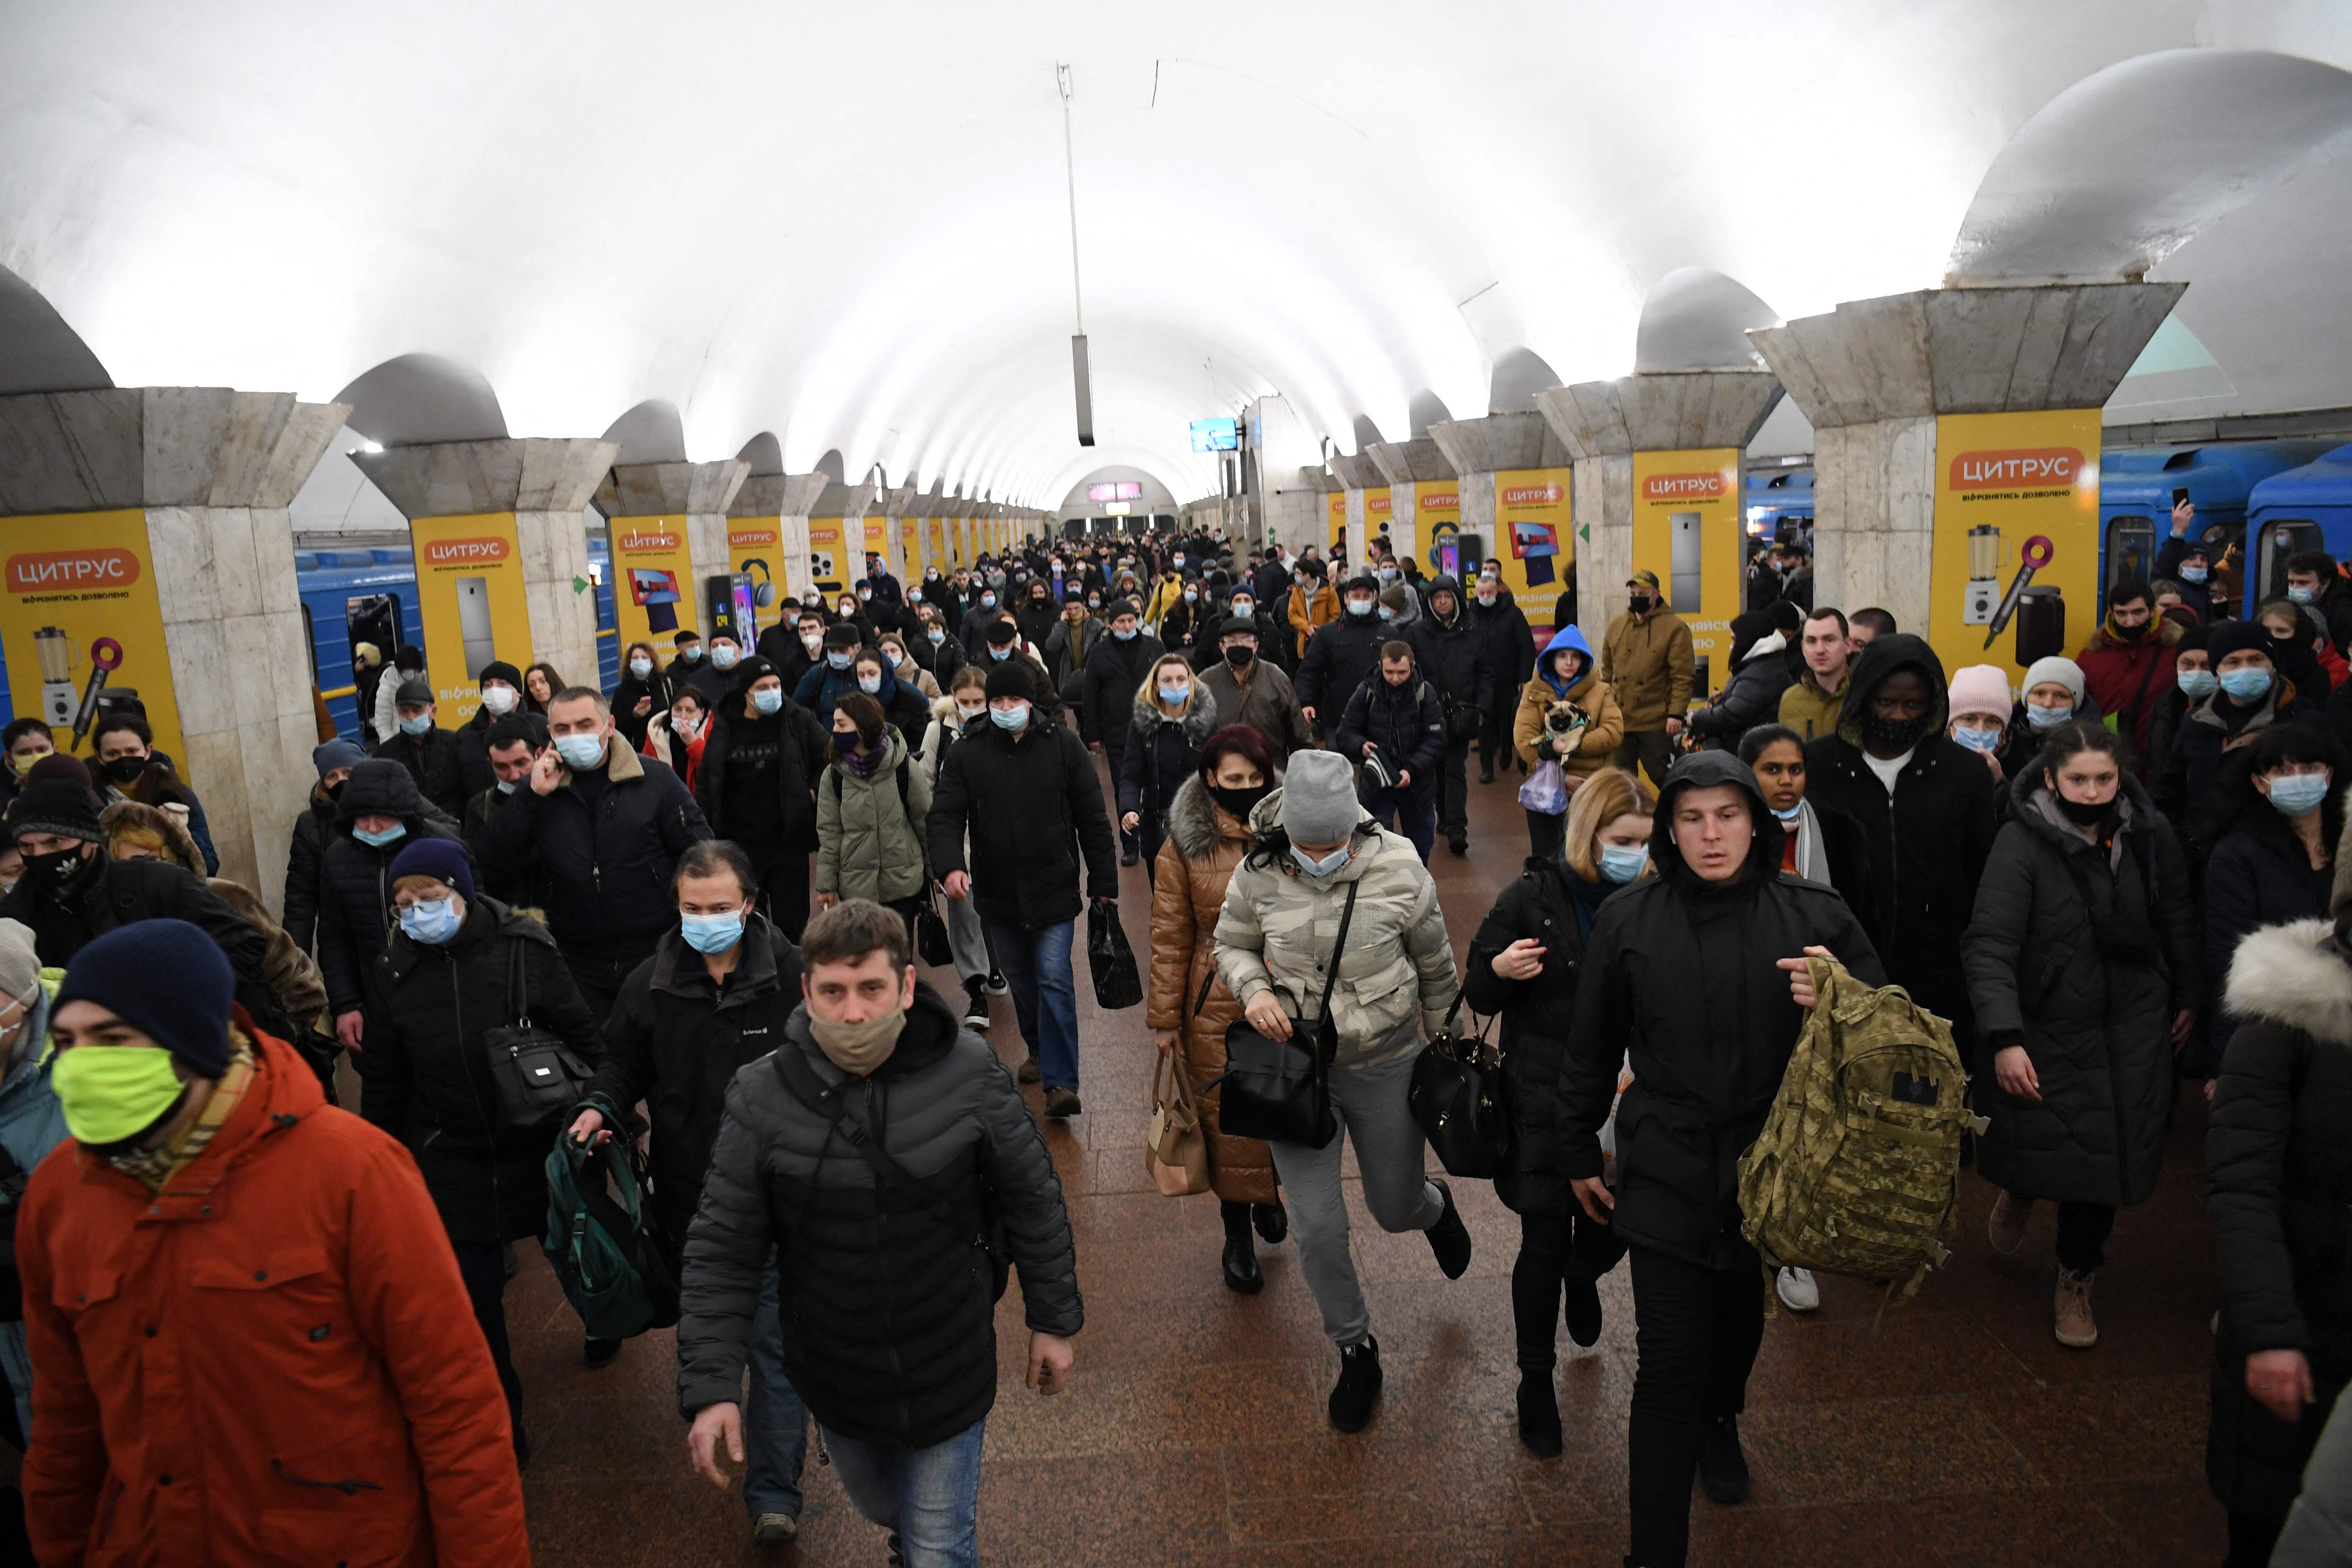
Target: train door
(2280,539)
(373,618)
(2130,554)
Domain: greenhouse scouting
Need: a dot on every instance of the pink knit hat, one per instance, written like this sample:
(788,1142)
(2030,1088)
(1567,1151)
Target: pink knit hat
(1982,689)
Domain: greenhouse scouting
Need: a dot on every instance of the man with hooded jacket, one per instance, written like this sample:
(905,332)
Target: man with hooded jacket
(1452,654)
(1683,971)
(1510,660)
(379,813)
(1928,812)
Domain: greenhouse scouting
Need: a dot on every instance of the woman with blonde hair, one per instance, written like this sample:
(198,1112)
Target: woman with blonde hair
(1173,714)
(1523,966)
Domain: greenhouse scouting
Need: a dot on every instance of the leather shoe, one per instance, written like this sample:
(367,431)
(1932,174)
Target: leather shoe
(1273,1222)
(1242,1276)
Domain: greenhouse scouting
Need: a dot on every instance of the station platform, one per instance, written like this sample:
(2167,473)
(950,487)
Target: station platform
(1957,1431)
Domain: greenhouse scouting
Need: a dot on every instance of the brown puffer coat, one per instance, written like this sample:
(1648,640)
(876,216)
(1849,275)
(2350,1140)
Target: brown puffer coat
(1203,847)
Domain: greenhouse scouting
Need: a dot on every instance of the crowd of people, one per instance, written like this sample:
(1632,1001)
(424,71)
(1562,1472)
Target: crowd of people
(2117,879)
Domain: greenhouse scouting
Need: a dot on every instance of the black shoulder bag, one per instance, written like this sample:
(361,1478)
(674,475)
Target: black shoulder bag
(1457,1098)
(1278,1089)
(538,1076)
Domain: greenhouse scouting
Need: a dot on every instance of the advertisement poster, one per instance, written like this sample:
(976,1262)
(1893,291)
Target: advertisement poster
(470,600)
(653,590)
(1379,507)
(79,615)
(2016,570)
(1687,529)
(828,555)
(1533,543)
(1437,512)
(1337,532)
(755,550)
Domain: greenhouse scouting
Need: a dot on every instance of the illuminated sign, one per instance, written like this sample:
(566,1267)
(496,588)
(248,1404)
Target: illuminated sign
(1680,487)
(2030,468)
(441,552)
(1215,436)
(1123,489)
(52,569)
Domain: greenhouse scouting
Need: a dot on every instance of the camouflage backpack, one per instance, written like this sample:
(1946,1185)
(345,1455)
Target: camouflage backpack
(1857,1169)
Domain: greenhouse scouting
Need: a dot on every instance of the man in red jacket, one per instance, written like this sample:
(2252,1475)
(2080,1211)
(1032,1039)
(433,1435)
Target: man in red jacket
(249,1336)
(2127,663)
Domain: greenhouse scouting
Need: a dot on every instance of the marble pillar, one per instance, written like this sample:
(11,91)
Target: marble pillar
(697,494)
(1478,450)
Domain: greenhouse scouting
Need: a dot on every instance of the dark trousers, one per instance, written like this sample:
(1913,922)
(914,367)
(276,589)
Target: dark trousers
(785,891)
(1113,755)
(1696,1330)
(599,979)
(2252,1538)
(1151,827)
(1654,749)
(1546,834)
(1553,1248)
(484,1270)
(1502,711)
(1410,812)
(1454,789)
(2083,1232)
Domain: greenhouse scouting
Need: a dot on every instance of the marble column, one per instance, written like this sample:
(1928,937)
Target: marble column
(1409,465)
(1355,476)
(546,484)
(1479,449)
(1603,423)
(697,494)
(1294,510)
(212,471)
(1873,375)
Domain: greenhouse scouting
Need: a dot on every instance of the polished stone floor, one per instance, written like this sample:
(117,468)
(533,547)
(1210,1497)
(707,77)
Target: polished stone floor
(1955,1432)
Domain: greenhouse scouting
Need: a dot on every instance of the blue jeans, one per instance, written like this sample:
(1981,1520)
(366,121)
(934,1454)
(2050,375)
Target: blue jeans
(1037,968)
(775,1422)
(1411,813)
(930,1497)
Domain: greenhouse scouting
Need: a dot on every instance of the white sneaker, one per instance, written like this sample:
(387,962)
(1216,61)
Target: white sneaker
(1797,1291)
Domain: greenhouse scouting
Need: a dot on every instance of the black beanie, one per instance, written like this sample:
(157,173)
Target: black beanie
(1010,678)
(841,634)
(58,806)
(164,978)
(2235,637)
(499,669)
(1000,632)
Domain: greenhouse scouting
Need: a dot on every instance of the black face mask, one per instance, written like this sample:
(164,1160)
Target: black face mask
(1239,803)
(2083,814)
(335,790)
(1239,655)
(53,872)
(1895,734)
(1640,603)
(126,770)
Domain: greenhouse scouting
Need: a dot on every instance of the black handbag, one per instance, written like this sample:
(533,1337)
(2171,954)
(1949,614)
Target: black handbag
(538,1076)
(1461,720)
(1457,1098)
(931,944)
(1278,1089)
(1109,960)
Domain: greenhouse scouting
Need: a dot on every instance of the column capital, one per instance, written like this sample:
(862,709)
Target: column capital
(159,445)
(779,495)
(1410,462)
(1357,473)
(667,489)
(1499,442)
(460,478)
(1965,351)
(1661,412)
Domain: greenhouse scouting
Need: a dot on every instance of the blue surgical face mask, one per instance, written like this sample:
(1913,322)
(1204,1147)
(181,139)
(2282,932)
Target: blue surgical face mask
(2245,684)
(1326,865)
(1190,594)
(1790,814)
(1388,573)
(1000,654)
(1126,636)
(415,724)
(2294,793)
(1387,613)
(1986,741)
(1174,695)
(579,752)
(391,835)
(2193,573)
(987,601)
(691,653)
(937,635)
(2198,684)
(1359,606)
(870,684)
(768,699)
(839,661)
(1244,609)
(1015,718)
(2302,595)
(430,920)
(711,933)
(724,657)
(2042,718)
(641,668)
(1620,863)
(506,786)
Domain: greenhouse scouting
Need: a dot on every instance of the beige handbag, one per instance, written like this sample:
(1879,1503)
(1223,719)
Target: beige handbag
(1176,1152)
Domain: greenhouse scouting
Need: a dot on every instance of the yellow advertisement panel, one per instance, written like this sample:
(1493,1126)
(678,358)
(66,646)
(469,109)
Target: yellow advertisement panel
(935,553)
(653,580)
(828,555)
(1686,529)
(79,615)
(1437,512)
(2016,568)
(1379,505)
(755,550)
(1533,543)
(470,600)
(1336,533)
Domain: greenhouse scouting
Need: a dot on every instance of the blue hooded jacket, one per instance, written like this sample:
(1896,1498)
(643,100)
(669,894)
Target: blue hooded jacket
(1567,636)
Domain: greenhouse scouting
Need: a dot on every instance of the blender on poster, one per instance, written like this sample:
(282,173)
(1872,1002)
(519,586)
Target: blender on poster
(55,655)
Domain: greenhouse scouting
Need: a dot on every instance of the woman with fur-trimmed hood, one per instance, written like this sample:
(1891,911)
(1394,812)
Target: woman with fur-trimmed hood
(1172,714)
(2278,1149)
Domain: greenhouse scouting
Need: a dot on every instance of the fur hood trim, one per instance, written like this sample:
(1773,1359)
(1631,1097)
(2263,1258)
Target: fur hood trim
(1194,824)
(2293,974)
(943,708)
(1200,718)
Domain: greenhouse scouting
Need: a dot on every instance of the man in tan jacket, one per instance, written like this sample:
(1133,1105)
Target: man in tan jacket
(1647,662)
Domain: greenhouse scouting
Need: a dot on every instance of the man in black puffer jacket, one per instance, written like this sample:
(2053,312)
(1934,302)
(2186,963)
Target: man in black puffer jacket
(308,846)
(1510,663)
(1456,655)
(379,814)
(1400,716)
(1680,972)
(1114,673)
(1342,654)
(883,1159)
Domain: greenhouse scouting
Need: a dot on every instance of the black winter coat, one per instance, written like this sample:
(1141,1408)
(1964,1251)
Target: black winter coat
(2206,730)
(1683,973)
(1342,656)
(800,760)
(1510,647)
(2258,875)
(1926,843)
(355,878)
(1114,673)
(625,717)
(2278,1149)
(1538,1015)
(888,1309)
(1752,698)
(432,761)
(676,1040)
(2089,991)
(1034,807)
(606,843)
(1162,753)
(428,1069)
(305,856)
(473,737)
(1459,658)
(1407,723)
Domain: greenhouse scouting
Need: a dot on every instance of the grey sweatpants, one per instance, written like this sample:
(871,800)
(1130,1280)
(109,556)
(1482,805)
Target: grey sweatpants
(1374,1114)
(966,936)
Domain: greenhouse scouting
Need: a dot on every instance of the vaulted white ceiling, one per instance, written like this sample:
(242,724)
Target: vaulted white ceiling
(847,224)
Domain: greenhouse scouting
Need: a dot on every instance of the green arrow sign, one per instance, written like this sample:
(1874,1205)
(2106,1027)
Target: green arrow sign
(580,585)
(1585,534)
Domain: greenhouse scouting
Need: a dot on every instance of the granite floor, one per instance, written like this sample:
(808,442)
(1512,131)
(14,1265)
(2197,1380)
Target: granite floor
(1955,1432)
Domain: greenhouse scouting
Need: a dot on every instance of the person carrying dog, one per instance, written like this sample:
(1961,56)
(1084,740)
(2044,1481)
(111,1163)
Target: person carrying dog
(1569,715)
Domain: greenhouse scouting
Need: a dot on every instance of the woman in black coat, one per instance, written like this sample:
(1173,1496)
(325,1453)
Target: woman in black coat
(641,694)
(1523,966)
(459,966)
(2279,1152)
(2085,974)
(1761,669)
(2273,822)
(1163,750)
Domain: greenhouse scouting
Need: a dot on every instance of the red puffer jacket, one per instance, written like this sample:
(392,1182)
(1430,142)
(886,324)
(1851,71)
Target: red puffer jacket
(272,1361)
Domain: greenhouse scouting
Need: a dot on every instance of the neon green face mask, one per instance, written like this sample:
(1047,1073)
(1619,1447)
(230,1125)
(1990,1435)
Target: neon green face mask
(112,1092)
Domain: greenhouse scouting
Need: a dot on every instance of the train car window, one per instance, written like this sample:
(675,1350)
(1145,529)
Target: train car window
(2281,538)
(2131,552)
(311,645)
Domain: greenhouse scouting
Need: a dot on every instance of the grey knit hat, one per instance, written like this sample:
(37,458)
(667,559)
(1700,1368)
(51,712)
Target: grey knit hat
(1318,798)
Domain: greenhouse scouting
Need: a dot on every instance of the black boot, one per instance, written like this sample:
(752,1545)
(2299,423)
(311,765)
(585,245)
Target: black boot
(1485,770)
(1538,1414)
(1583,1309)
(1722,1467)
(1449,1238)
(1273,1222)
(1242,1275)
(1358,1388)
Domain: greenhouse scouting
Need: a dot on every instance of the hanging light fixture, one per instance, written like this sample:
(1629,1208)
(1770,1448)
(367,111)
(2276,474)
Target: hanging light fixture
(1080,377)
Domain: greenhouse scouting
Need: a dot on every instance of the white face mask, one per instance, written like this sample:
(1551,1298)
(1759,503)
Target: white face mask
(968,712)
(499,698)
